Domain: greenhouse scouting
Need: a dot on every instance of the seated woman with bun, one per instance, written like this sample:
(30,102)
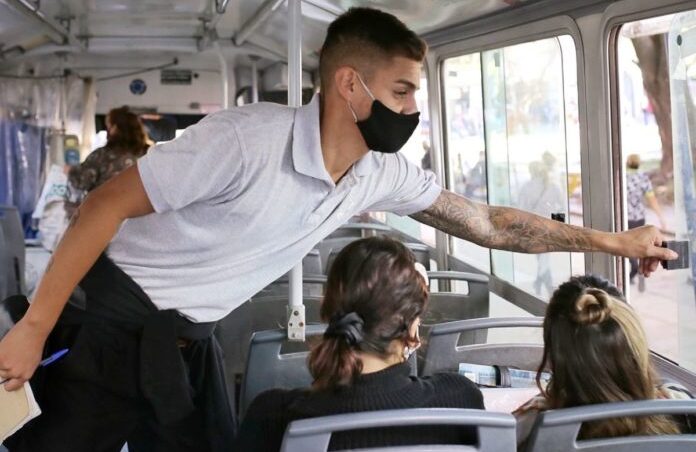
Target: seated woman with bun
(374,299)
(597,352)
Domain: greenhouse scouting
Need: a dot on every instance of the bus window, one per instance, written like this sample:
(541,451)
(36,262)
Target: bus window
(466,145)
(417,149)
(513,139)
(656,75)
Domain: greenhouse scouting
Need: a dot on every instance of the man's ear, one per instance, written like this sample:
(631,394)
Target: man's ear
(344,81)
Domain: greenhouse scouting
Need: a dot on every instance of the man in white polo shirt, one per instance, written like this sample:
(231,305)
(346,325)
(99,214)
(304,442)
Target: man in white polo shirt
(204,222)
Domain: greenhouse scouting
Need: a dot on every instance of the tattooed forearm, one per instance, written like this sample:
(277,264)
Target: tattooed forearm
(503,227)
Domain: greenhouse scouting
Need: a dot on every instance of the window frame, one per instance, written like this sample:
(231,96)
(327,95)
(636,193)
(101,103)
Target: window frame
(615,16)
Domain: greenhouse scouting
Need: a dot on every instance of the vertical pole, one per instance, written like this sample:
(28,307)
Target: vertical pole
(254,79)
(296,311)
(224,76)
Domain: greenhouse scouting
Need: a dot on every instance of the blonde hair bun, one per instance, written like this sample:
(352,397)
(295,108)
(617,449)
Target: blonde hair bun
(592,307)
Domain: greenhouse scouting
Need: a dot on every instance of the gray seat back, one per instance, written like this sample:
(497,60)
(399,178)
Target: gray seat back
(329,249)
(474,282)
(360,230)
(332,246)
(557,430)
(268,312)
(451,306)
(422,253)
(496,431)
(268,367)
(444,352)
(311,263)
(15,257)
(313,285)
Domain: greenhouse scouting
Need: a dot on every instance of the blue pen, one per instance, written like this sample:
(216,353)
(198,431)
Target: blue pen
(54,357)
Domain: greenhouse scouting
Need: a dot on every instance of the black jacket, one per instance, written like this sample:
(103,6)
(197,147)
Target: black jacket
(393,388)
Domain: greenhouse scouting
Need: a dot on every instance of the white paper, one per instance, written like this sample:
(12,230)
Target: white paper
(34,411)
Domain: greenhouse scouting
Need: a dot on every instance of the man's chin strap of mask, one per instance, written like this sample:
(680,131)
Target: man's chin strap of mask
(384,130)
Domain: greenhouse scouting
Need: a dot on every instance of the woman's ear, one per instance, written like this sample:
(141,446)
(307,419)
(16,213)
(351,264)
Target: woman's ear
(413,334)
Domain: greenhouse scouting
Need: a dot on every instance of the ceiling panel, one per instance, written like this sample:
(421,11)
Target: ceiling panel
(178,19)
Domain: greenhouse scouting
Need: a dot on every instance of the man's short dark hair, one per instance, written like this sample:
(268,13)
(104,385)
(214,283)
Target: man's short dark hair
(364,37)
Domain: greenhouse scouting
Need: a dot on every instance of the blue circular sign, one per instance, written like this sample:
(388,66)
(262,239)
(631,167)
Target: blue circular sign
(138,87)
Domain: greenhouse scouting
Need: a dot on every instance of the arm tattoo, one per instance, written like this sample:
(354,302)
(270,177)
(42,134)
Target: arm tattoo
(503,227)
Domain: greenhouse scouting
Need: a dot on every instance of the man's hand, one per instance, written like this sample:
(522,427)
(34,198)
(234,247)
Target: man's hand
(20,353)
(644,243)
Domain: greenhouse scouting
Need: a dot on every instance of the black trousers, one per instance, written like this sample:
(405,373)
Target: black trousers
(632,224)
(79,415)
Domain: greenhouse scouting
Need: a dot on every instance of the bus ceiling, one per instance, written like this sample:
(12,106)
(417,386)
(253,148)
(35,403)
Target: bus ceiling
(143,32)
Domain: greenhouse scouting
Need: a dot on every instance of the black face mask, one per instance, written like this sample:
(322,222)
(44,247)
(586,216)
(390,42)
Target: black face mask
(385,130)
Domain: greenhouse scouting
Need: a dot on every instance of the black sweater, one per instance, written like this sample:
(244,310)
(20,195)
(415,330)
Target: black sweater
(392,388)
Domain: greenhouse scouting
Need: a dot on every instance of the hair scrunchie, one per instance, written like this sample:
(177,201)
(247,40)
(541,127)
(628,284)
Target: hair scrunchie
(348,326)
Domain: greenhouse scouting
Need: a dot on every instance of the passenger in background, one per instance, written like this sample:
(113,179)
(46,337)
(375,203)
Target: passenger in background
(374,300)
(597,352)
(639,191)
(542,196)
(126,141)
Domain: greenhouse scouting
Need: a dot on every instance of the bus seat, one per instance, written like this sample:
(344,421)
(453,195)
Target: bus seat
(557,430)
(451,306)
(330,248)
(313,285)
(14,244)
(441,281)
(443,352)
(496,431)
(270,312)
(258,314)
(311,263)
(422,253)
(269,367)
(267,312)
(674,373)
(360,230)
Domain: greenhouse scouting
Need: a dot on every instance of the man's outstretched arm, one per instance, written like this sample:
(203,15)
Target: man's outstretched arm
(512,229)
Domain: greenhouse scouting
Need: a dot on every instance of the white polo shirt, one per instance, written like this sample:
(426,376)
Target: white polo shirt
(240,198)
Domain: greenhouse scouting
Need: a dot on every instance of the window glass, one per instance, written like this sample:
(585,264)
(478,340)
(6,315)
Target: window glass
(417,150)
(513,140)
(466,144)
(656,72)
